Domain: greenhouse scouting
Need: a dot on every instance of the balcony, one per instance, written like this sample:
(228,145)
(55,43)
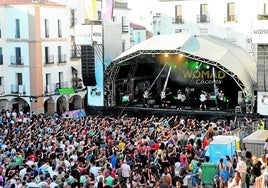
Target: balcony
(18,89)
(125,28)
(50,88)
(62,85)
(202,18)
(16,60)
(263,16)
(49,59)
(62,58)
(73,22)
(1,60)
(75,51)
(178,20)
(77,83)
(231,18)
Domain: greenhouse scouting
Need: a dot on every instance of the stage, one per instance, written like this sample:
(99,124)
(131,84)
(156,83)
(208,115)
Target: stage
(192,113)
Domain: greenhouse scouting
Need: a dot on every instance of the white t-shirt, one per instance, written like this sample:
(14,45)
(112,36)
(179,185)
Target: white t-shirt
(125,170)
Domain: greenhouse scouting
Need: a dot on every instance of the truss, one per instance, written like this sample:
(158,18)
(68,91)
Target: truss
(113,69)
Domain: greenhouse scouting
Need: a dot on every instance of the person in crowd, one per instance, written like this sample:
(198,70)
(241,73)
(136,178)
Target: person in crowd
(236,182)
(92,151)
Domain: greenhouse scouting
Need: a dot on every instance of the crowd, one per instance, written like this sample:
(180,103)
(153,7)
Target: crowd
(39,150)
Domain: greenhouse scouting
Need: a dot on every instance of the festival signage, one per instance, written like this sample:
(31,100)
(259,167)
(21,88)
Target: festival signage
(260,32)
(262,103)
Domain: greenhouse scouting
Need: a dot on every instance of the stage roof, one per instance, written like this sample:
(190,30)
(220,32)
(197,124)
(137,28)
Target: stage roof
(205,48)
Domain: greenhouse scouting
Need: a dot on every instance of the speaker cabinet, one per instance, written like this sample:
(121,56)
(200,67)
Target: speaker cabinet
(88,65)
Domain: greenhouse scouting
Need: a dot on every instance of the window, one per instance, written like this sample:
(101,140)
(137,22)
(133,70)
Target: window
(178,14)
(72,18)
(47,55)
(19,78)
(123,45)
(17,27)
(18,59)
(230,12)
(59,29)
(46,29)
(203,13)
(124,25)
(60,59)
(61,80)
(49,87)
(1,57)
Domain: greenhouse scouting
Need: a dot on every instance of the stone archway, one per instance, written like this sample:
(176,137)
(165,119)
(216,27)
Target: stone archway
(61,105)
(75,103)
(20,104)
(49,106)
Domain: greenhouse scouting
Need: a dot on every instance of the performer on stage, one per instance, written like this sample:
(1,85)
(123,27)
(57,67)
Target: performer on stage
(180,98)
(203,99)
(220,99)
(146,94)
(163,97)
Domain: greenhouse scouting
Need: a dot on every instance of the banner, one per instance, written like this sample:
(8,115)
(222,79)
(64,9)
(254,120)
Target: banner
(107,9)
(262,104)
(91,9)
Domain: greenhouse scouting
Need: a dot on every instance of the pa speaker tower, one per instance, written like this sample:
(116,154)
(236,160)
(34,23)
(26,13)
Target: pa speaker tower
(88,65)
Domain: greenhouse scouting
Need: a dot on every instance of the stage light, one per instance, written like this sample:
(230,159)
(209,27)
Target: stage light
(166,54)
(207,67)
(181,55)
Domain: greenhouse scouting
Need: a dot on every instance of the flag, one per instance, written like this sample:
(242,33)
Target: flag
(107,9)
(91,9)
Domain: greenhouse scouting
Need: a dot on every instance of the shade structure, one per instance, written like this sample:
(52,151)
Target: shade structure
(226,56)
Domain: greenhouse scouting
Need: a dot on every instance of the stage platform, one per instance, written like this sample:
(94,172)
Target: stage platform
(186,112)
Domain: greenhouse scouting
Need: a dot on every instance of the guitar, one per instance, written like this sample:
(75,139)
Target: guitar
(163,94)
(146,94)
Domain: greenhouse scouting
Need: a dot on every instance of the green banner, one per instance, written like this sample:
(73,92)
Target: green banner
(64,91)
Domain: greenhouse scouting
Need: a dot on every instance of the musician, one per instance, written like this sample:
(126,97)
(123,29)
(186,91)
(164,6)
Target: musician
(146,94)
(220,99)
(203,99)
(180,98)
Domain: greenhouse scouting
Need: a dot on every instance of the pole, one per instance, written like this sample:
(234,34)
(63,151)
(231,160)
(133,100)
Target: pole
(157,76)
(215,87)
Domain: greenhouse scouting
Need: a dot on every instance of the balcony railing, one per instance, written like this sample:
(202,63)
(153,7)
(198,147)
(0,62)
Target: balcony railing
(18,89)
(177,20)
(62,58)
(203,18)
(75,51)
(230,18)
(1,60)
(50,88)
(16,60)
(62,85)
(125,28)
(73,22)
(49,59)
